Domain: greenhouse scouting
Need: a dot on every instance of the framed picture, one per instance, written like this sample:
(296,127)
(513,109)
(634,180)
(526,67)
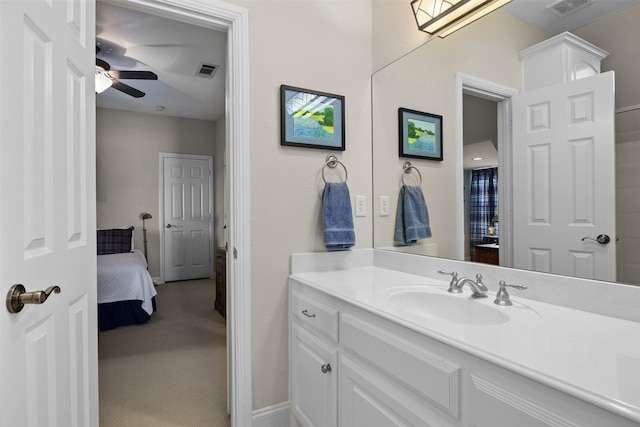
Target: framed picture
(311,119)
(420,134)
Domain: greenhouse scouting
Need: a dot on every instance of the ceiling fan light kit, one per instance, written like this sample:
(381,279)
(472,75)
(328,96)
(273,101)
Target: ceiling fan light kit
(102,82)
(106,78)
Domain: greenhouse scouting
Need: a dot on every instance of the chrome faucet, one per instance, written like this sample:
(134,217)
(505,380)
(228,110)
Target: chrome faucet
(453,285)
(477,287)
(502,297)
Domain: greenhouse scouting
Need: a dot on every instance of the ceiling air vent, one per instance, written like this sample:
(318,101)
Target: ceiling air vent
(206,70)
(565,7)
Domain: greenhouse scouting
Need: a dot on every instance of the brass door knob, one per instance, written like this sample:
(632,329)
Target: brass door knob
(17,297)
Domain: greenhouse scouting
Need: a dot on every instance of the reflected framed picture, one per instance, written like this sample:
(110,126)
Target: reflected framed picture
(312,119)
(420,134)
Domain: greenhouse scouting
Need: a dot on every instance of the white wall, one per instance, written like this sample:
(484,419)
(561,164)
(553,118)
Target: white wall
(628,196)
(396,31)
(127,148)
(313,44)
(619,34)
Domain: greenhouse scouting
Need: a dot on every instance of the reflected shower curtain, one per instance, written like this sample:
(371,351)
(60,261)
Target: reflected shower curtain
(483,204)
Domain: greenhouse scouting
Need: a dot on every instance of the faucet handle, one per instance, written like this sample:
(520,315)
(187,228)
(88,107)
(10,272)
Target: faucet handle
(453,285)
(502,297)
(453,273)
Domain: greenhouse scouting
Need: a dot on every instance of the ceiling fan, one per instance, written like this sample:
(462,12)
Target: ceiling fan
(106,77)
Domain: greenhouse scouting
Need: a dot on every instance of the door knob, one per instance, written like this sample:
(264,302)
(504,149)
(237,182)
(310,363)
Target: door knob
(17,297)
(171,225)
(603,239)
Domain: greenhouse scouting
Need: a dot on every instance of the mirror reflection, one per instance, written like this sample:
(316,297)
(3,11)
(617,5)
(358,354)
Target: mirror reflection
(427,80)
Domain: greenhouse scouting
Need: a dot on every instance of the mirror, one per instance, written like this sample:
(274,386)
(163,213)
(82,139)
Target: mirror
(425,80)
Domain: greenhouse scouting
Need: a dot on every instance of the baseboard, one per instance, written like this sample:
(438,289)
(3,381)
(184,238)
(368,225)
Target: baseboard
(272,416)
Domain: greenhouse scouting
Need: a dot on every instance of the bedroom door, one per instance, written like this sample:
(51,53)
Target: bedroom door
(187,216)
(564,191)
(48,351)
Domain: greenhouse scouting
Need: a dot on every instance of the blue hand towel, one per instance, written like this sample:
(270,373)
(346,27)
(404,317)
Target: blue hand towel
(338,220)
(412,216)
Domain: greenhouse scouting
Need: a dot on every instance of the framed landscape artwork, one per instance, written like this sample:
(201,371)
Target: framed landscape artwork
(420,134)
(312,119)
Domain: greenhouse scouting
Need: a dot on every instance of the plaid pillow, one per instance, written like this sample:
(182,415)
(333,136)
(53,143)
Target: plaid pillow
(114,241)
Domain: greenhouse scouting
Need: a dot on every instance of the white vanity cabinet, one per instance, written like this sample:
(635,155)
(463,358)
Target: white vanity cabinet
(314,361)
(386,373)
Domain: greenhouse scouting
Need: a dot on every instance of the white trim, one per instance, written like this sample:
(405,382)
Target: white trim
(466,84)
(235,20)
(629,108)
(272,416)
(161,192)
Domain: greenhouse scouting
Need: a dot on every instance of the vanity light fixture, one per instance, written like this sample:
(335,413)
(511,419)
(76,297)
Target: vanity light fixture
(102,81)
(443,17)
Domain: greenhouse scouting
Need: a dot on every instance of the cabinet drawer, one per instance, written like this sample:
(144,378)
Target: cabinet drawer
(426,374)
(315,315)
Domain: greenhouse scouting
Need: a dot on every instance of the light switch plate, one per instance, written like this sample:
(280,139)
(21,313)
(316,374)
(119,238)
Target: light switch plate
(361,205)
(384,205)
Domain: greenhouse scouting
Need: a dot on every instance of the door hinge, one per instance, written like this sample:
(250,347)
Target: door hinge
(235,253)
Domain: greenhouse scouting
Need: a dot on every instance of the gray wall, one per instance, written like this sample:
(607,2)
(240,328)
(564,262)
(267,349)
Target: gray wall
(127,148)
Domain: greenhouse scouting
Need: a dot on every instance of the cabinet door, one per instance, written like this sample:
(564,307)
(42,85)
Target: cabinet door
(369,400)
(503,399)
(314,384)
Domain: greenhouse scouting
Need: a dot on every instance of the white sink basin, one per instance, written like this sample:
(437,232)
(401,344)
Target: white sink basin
(437,304)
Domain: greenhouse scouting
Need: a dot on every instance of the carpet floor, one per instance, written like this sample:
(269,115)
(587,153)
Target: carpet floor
(170,371)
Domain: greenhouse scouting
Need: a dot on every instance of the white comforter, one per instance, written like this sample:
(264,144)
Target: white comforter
(124,277)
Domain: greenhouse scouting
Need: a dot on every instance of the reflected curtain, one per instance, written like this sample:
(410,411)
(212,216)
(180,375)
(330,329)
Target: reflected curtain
(483,204)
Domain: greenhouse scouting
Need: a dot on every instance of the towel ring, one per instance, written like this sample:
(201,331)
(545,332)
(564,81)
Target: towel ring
(332,161)
(406,168)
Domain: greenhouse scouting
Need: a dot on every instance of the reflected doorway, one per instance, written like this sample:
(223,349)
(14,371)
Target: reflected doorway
(481,167)
(493,122)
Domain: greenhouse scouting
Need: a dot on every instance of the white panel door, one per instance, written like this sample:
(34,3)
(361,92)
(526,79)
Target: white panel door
(48,352)
(187,218)
(564,178)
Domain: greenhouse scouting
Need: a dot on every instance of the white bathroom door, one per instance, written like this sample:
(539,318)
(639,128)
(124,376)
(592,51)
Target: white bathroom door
(48,351)
(187,217)
(564,178)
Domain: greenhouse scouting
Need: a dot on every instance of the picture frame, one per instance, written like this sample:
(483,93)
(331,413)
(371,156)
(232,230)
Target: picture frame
(312,119)
(420,134)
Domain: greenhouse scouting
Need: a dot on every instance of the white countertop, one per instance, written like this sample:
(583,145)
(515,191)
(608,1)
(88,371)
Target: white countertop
(590,356)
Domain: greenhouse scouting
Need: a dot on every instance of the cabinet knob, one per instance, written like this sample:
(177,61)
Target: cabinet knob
(306,313)
(326,368)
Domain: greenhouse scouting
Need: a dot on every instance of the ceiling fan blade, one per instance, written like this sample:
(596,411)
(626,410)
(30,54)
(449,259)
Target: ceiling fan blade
(137,75)
(127,89)
(104,64)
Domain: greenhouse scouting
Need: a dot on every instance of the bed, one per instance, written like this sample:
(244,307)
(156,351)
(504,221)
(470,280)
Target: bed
(126,294)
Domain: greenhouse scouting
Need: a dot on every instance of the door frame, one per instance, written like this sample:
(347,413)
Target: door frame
(235,21)
(161,222)
(471,85)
